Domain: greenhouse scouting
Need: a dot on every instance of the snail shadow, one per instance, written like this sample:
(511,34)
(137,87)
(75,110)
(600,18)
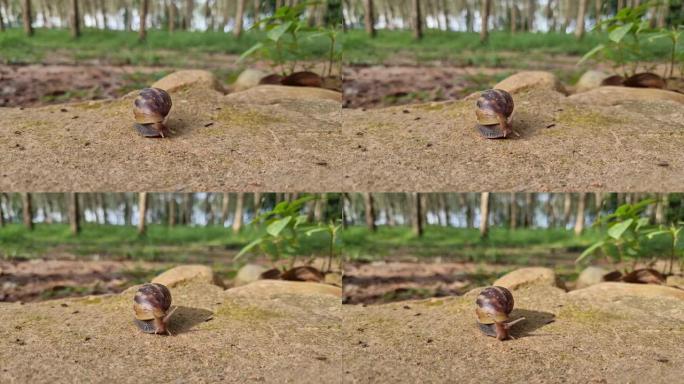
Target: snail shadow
(178,127)
(185,318)
(533,321)
(523,126)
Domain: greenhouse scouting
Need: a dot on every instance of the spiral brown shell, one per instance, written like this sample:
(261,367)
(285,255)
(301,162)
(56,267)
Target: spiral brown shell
(645,80)
(493,105)
(494,304)
(152,301)
(152,106)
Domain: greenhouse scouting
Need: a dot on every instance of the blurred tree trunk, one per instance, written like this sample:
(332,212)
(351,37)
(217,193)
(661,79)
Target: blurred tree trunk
(172,210)
(470,19)
(514,212)
(74,217)
(447,210)
(663,13)
(75,20)
(26,13)
(484,31)
(484,215)
(620,4)
(237,220)
(579,220)
(416,214)
(391,213)
(369,18)
(187,19)
(173,14)
(661,206)
(445,10)
(103,206)
(417,21)
(143,20)
(529,210)
(514,17)
(531,10)
(27,210)
(257,203)
(369,211)
(567,205)
(278,4)
(142,211)
(103,10)
(2,214)
(598,9)
(225,204)
(319,210)
(470,216)
(257,11)
(239,14)
(581,15)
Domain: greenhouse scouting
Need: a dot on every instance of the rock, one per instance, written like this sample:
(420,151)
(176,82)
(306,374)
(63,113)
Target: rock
(590,79)
(333,278)
(675,281)
(612,95)
(271,288)
(249,78)
(524,277)
(249,273)
(185,78)
(268,94)
(619,290)
(95,340)
(530,79)
(303,273)
(591,275)
(187,273)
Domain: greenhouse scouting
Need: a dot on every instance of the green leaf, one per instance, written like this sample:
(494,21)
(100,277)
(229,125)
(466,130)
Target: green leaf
(589,251)
(250,51)
(316,230)
(617,230)
(619,33)
(247,248)
(276,33)
(277,226)
(591,53)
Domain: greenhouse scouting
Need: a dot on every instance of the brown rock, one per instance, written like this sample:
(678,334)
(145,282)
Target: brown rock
(525,277)
(249,78)
(249,273)
(675,281)
(591,275)
(530,79)
(269,288)
(590,80)
(268,94)
(195,78)
(619,290)
(616,95)
(187,273)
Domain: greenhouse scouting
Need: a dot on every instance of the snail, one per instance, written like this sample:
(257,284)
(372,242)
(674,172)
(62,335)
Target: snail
(494,110)
(150,109)
(151,305)
(494,304)
(645,80)
(303,79)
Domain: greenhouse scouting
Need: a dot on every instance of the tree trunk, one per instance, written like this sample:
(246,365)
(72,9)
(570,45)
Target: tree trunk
(581,13)
(75,20)
(237,220)
(417,20)
(567,205)
(369,18)
(103,9)
(661,208)
(2,214)
(484,31)
(369,211)
(74,217)
(598,9)
(172,211)
(189,7)
(173,11)
(529,210)
(514,212)
(447,209)
(142,210)
(2,20)
(238,18)
(224,208)
(416,214)
(257,11)
(514,18)
(579,220)
(27,210)
(26,13)
(319,210)
(484,215)
(257,203)
(143,19)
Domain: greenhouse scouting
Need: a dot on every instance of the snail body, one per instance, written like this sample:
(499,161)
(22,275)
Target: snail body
(151,305)
(494,305)
(494,110)
(150,110)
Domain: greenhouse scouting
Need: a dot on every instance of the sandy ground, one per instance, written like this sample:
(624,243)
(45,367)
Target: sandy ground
(274,332)
(633,146)
(565,339)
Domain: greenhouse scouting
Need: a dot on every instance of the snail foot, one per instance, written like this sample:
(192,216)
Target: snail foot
(491,131)
(148,130)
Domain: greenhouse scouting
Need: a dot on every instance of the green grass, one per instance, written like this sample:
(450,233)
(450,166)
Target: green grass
(161,243)
(521,246)
(161,48)
(463,48)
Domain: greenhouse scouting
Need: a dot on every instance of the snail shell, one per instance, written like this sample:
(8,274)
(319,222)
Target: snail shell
(494,109)
(494,305)
(645,80)
(151,306)
(150,110)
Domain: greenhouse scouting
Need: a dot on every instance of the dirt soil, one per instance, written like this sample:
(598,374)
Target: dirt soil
(563,146)
(285,140)
(565,339)
(268,332)
(39,279)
